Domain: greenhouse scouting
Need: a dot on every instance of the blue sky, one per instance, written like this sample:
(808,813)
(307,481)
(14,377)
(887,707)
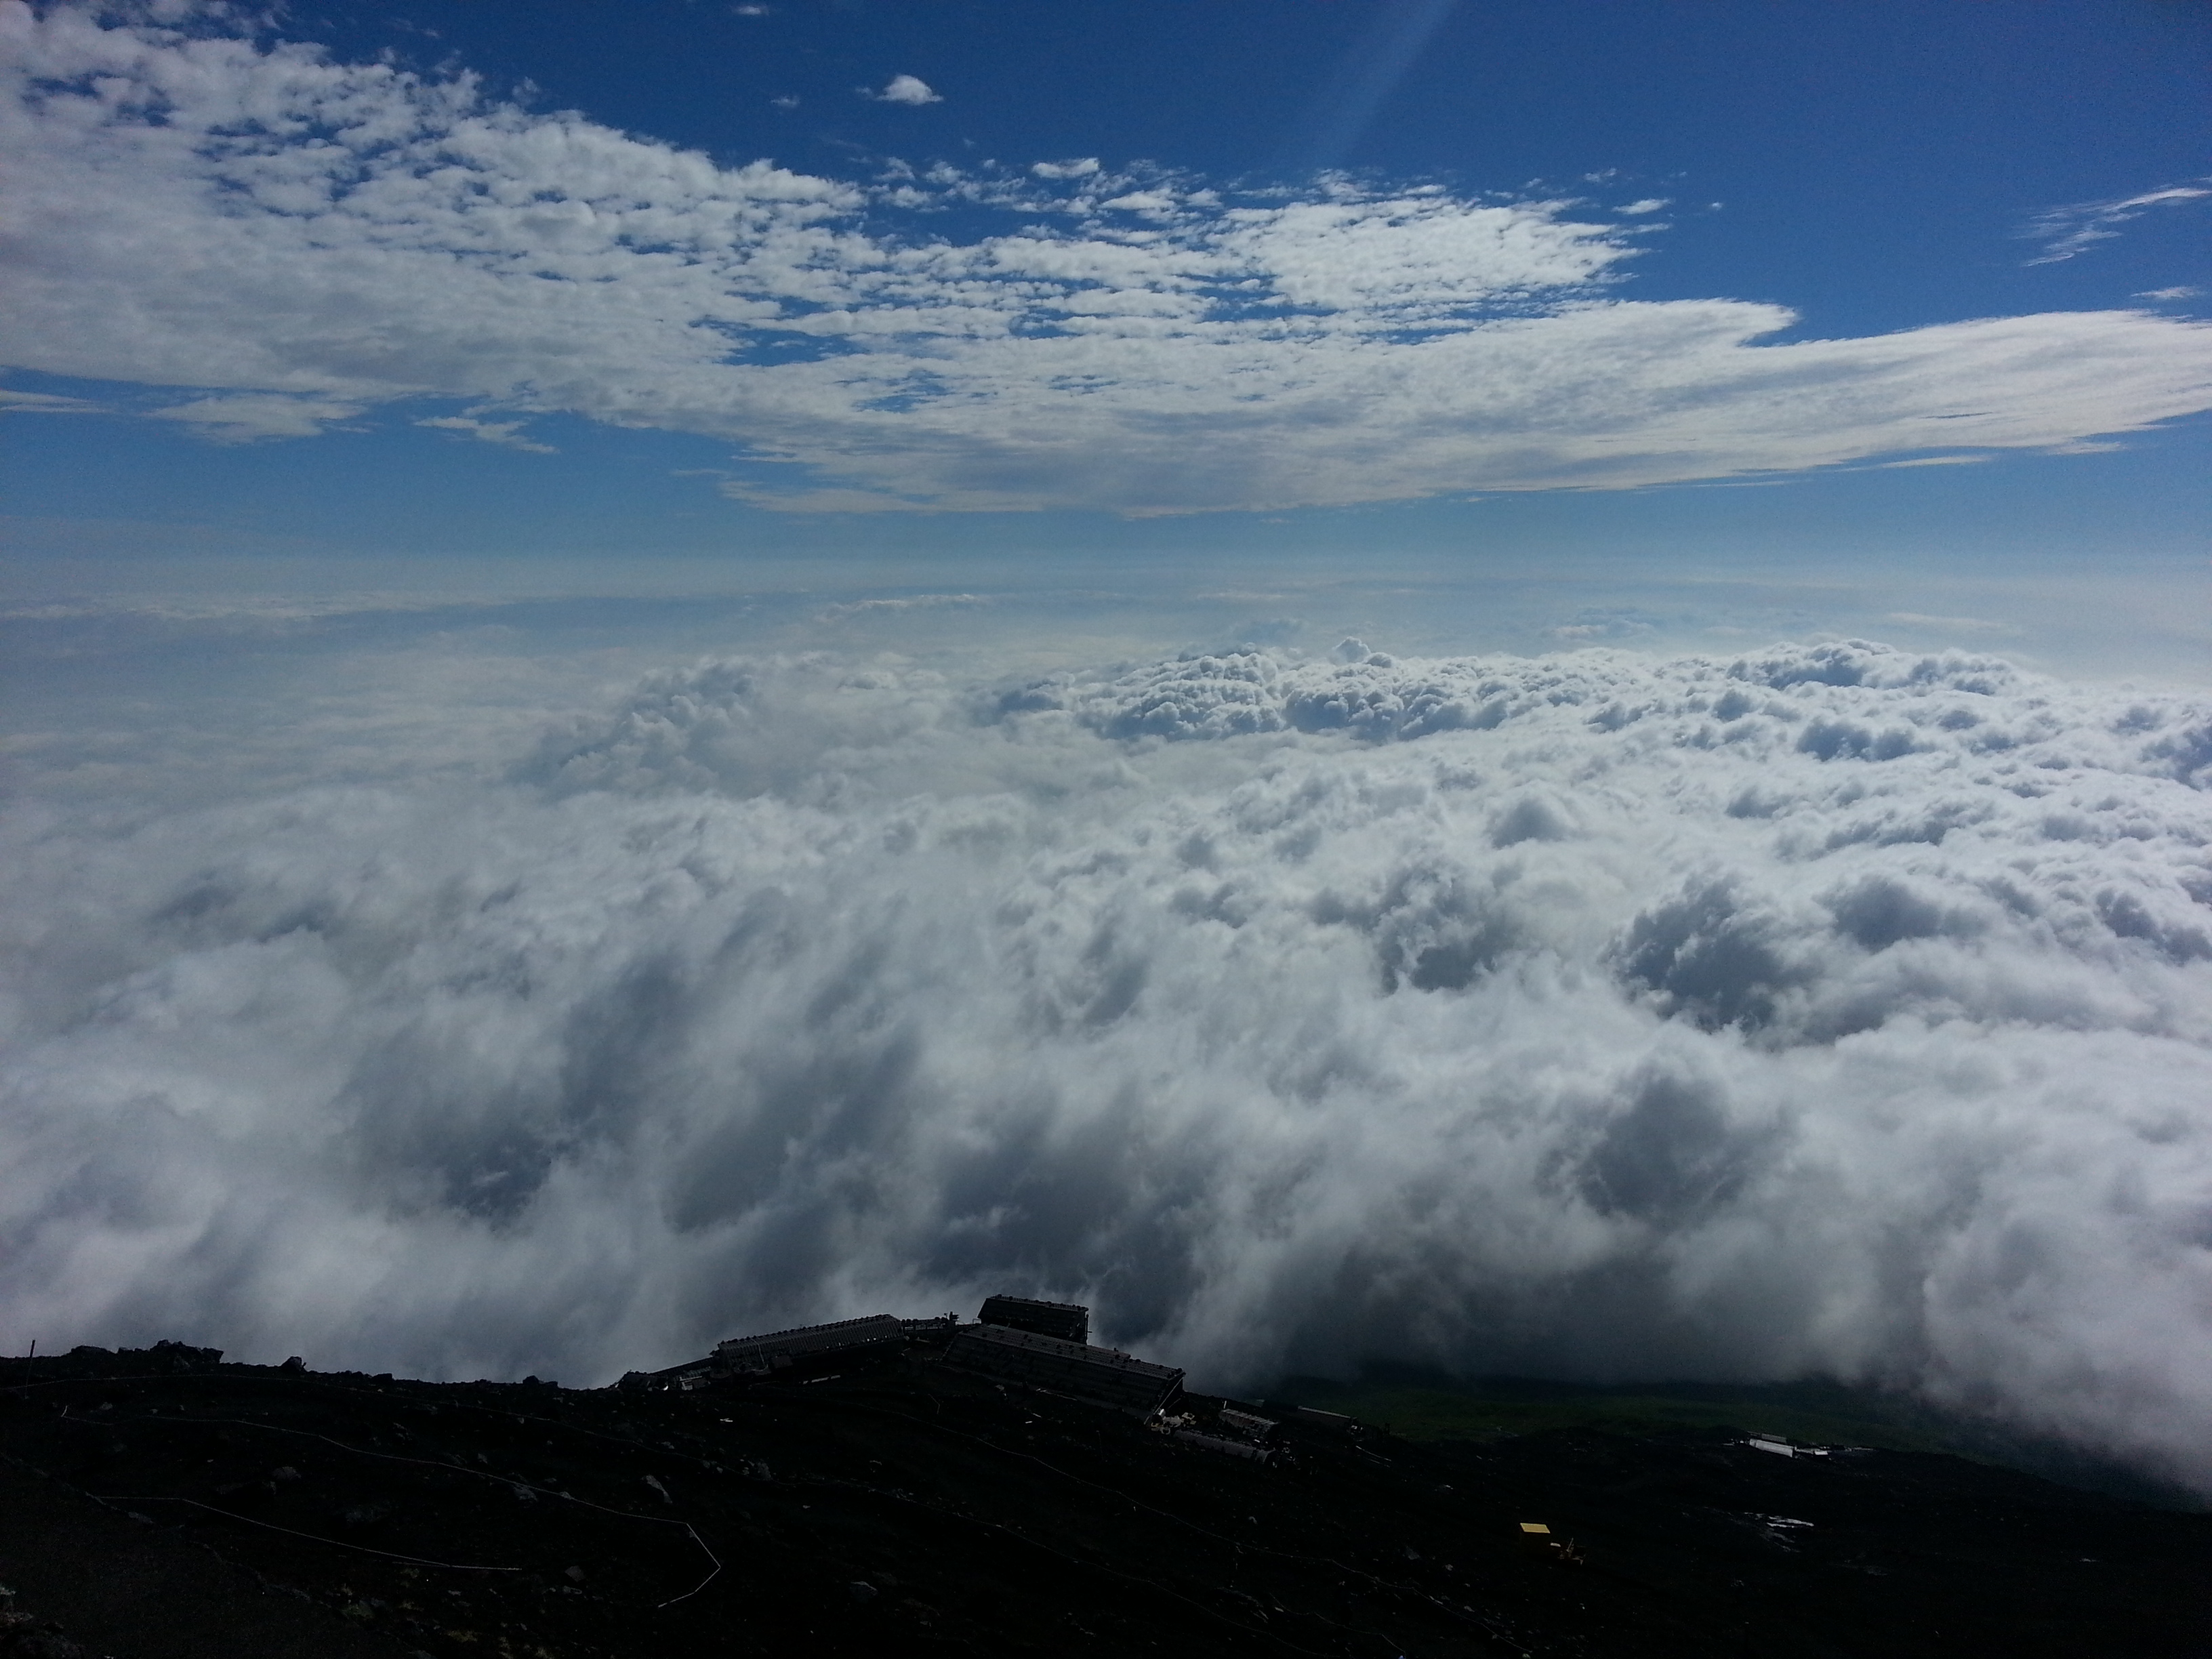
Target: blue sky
(1383,278)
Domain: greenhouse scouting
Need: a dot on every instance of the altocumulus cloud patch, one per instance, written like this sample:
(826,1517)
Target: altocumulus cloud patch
(282,240)
(1828,1009)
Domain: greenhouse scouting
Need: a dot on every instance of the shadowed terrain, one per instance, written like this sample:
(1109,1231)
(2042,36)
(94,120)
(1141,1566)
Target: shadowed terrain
(160,1503)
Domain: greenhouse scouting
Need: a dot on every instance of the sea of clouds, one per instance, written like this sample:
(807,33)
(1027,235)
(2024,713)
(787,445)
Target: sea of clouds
(1829,1009)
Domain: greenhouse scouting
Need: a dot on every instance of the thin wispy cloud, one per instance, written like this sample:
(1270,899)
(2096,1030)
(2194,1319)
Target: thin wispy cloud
(2069,232)
(295,240)
(251,416)
(507,433)
(46,403)
(1952,624)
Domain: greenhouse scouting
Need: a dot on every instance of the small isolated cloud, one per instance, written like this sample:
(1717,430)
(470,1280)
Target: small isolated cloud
(504,432)
(788,100)
(906,89)
(1081,167)
(1649,204)
(249,418)
(750,11)
(2074,229)
(2169,294)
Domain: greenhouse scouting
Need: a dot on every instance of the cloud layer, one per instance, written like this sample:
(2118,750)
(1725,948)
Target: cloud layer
(297,239)
(1830,1009)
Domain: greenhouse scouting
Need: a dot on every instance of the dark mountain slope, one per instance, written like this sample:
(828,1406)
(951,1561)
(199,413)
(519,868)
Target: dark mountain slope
(910,1508)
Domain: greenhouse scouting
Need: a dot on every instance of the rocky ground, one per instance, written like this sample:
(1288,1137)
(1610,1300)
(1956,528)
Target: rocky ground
(158,1505)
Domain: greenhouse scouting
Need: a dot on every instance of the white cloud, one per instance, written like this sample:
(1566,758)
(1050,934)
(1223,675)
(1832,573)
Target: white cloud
(1649,204)
(906,89)
(1830,1009)
(505,433)
(199,211)
(2074,229)
(1143,201)
(45,403)
(249,416)
(2170,294)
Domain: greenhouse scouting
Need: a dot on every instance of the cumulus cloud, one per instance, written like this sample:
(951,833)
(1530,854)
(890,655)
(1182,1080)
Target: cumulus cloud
(1830,1009)
(2066,232)
(280,233)
(906,89)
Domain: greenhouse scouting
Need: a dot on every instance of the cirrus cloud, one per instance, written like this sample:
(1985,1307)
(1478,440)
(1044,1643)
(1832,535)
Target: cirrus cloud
(253,219)
(507,433)
(2072,230)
